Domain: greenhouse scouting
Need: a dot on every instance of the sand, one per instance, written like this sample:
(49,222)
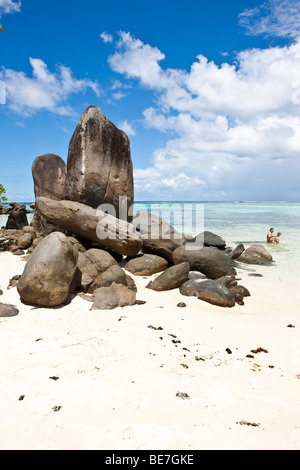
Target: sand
(152,376)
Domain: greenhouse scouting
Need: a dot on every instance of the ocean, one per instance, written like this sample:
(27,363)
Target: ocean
(248,223)
(236,222)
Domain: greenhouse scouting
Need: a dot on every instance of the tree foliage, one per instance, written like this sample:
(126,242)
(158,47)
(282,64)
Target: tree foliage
(2,29)
(2,191)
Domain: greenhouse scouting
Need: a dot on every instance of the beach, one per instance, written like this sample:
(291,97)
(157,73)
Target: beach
(149,227)
(153,376)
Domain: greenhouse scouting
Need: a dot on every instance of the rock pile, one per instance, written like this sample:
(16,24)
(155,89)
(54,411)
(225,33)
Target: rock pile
(98,172)
(59,267)
(75,247)
(17,218)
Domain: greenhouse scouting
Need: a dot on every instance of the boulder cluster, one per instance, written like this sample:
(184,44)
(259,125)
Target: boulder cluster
(75,245)
(17,215)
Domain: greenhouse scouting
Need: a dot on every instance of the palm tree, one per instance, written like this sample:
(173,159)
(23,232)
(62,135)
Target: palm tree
(2,29)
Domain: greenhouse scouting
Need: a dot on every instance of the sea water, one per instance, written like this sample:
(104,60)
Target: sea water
(238,222)
(247,223)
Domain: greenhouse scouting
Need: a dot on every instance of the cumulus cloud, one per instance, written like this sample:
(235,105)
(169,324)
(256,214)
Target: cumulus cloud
(228,120)
(273,18)
(126,127)
(9,6)
(135,59)
(44,90)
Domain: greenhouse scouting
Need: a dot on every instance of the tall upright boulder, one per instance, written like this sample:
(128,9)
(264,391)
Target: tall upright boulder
(99,167)
(49,173)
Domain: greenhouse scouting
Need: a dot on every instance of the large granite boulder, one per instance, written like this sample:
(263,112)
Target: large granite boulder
(208,260)
(159,237)
(49,176)
(99,168)
(17,218)
(50,273)
(210,291)
(255,254)
(171,278)
(91,224)
(49,173)
(146,265)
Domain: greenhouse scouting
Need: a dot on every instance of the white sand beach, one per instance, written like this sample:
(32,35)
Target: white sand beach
(152,376)
(157,138)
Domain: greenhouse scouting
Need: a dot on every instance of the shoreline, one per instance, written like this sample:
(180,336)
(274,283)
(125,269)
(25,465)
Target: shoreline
(111,379)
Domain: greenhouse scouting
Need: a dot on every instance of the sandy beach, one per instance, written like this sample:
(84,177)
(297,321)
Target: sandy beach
(149,226)
(152,376)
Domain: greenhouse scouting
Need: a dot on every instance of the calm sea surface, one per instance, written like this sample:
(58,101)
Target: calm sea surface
(240,222)
(236,222)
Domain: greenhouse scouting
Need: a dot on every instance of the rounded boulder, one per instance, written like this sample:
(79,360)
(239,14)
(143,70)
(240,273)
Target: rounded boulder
(49,276)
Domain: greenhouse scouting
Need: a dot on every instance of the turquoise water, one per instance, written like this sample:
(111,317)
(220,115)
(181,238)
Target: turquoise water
(246,222)
(241,222)
(236,222)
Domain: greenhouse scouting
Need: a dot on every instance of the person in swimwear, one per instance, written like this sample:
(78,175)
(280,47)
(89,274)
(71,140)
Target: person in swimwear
(277,237)
(270,236)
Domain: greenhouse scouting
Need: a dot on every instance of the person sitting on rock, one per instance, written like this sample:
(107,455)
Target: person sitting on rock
(276,240)
(270,236)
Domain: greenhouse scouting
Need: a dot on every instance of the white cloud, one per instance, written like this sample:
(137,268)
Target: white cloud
(229,122)
(9,6)
(106,37)
(44,90)
(137,60)
(116,85)
(273,18)
(126,127)
(118,90)
(118,95)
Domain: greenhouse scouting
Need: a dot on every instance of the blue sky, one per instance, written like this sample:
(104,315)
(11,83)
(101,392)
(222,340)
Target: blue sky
(208,92)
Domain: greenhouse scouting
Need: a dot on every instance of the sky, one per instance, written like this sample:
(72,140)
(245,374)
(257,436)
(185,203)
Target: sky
(207,92)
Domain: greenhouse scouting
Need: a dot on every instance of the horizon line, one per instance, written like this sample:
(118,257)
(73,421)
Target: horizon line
(187,201)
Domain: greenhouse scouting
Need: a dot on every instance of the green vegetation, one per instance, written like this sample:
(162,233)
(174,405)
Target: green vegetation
(2,191)
(2,29)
